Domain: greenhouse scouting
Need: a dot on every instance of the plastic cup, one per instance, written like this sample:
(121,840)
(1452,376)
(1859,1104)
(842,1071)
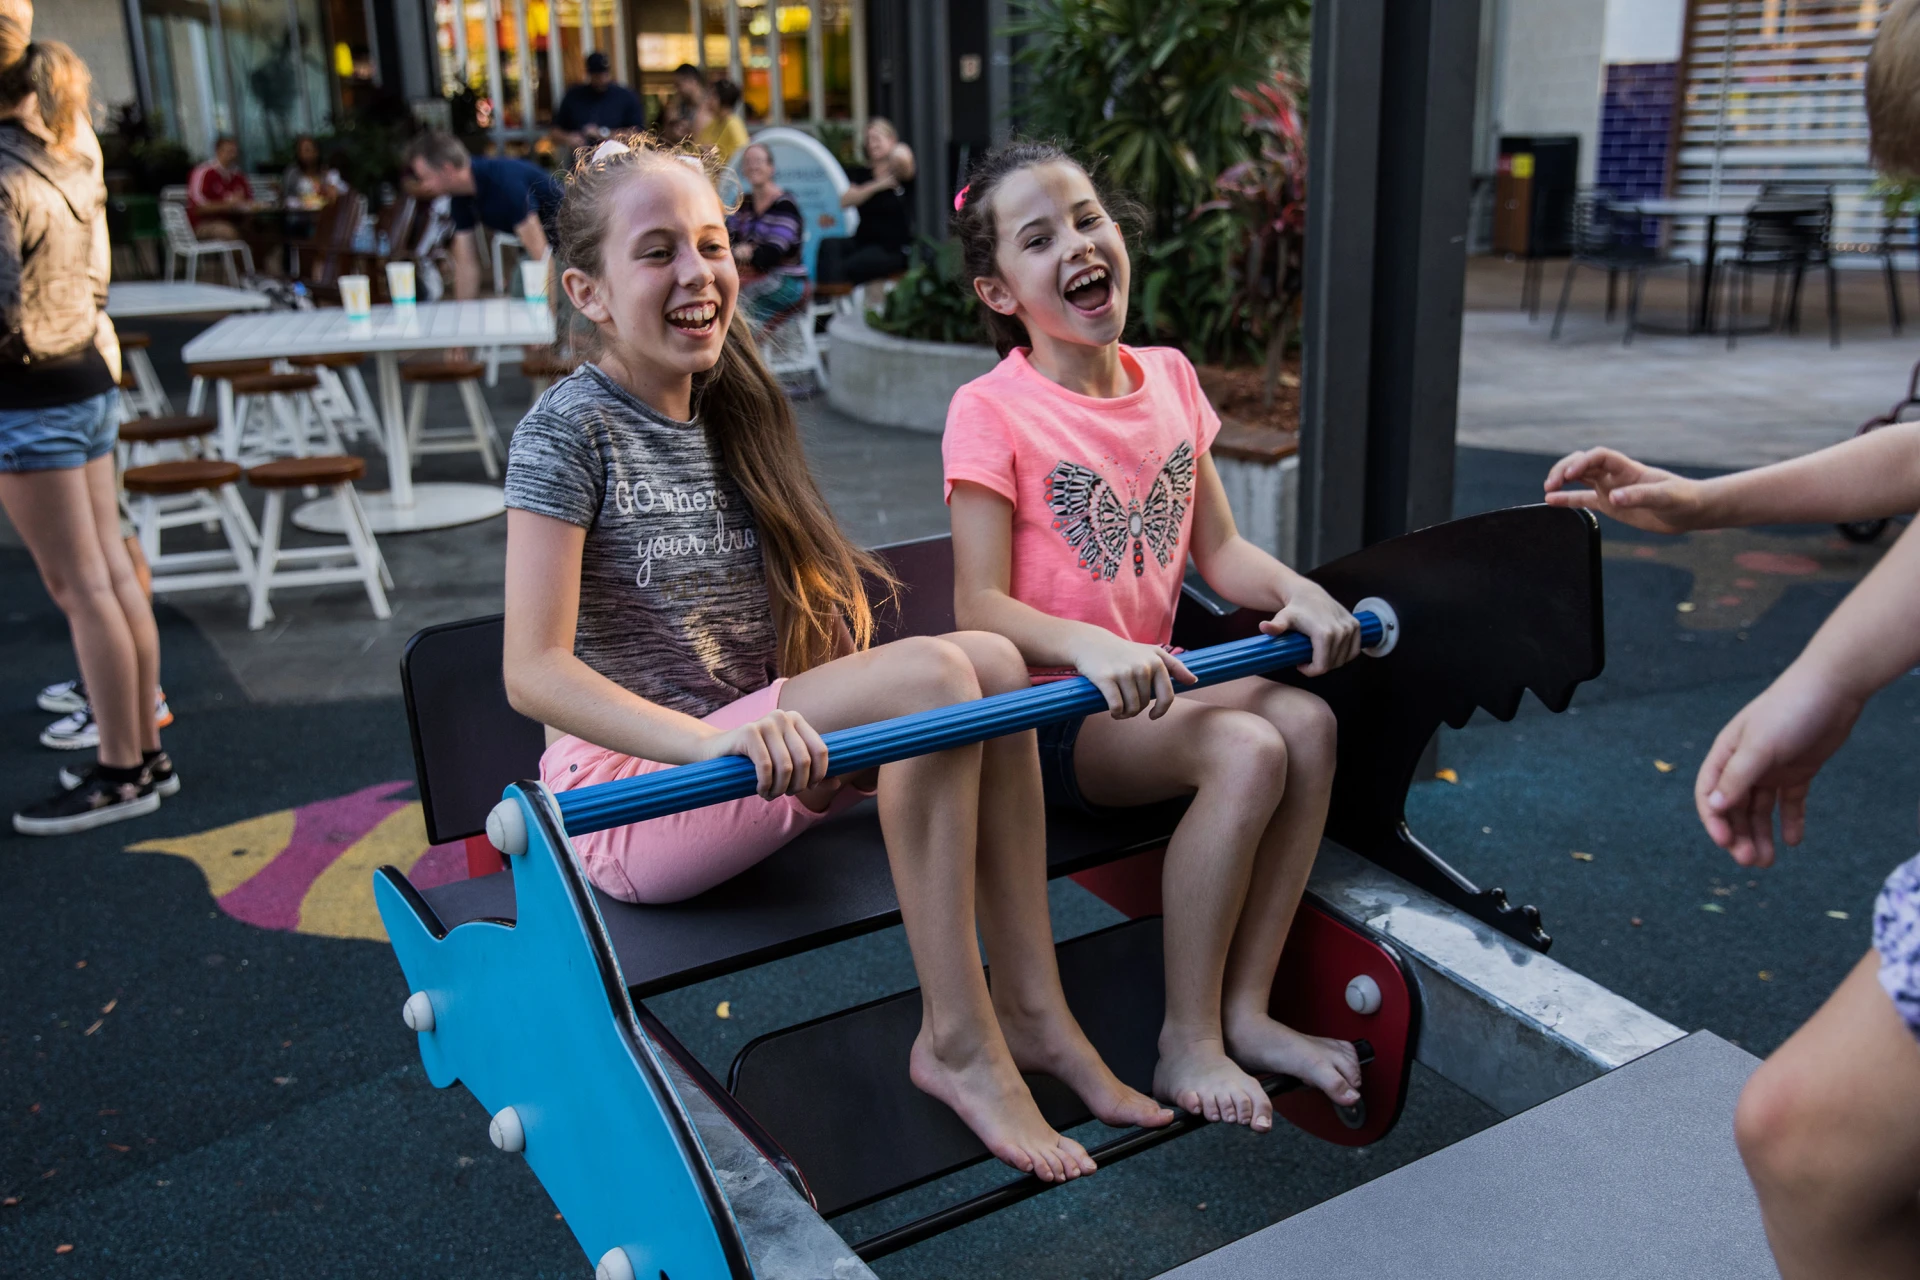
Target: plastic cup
(356,296)
(400,283)
(533,279)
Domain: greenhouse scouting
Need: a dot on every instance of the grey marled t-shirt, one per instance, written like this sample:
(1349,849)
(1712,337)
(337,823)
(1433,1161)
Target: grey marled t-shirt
(673,592)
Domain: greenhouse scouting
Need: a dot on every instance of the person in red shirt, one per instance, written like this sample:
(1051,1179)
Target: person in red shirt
(217,187)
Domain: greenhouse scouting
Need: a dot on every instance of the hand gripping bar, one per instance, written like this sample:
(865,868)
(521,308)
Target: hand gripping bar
(694,786)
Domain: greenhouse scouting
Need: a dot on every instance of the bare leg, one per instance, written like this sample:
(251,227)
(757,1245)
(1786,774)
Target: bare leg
(1831,1138)
(1281,865)
(1041,1031)
(54,513)
(929,809)
(141,569)
(1234,765)
(130,591)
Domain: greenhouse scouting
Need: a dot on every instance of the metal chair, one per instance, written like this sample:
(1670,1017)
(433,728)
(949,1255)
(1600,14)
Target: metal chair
(1784,234)
(1605,239)
(181,242)
(1884,250)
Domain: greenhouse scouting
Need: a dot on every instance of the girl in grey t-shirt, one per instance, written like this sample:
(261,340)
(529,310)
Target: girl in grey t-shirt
(677,591)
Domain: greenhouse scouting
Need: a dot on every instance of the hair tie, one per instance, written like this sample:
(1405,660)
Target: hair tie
(960,201)
(610,148)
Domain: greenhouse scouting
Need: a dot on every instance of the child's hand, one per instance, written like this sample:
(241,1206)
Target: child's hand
(1767,756)
(1318,616)
(1631,492)
(1131,676)
(788,756)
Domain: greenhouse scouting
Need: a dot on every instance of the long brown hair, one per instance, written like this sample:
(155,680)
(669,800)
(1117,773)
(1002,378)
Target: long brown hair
(1893,91)
(814,571)
(51,70)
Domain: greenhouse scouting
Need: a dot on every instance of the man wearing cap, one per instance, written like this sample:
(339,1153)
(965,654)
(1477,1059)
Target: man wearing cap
(496,193)
(591,111)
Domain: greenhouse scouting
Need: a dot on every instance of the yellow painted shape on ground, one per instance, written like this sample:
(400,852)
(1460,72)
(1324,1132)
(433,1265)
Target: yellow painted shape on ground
(340,902)
(229,856)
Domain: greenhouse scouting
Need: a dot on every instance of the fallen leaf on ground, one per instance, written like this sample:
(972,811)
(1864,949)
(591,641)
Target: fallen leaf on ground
(463,1162)
(1714,907)
(1766,975)
(98,1023)
(79,964)
(1201,1205)
(1582,857)
(117,1147)
(48,1174)
(1663,766)
(1685,606)
(286,1044)
(9,1202)
(34,1110)
(1723,892)
(1486,831)
(724,1009)
(63,1248)
(1447,775)
(108,1006)
(1634,921)
(284,1080)
(1836,915)
(163,1182)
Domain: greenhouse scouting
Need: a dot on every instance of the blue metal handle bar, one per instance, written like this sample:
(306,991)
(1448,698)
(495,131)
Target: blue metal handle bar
(694,786)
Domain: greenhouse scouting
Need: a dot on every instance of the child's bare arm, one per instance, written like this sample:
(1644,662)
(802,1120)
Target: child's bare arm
(1767,755)
(547,682)
(1134,677)
(1251,578)
(1865,478)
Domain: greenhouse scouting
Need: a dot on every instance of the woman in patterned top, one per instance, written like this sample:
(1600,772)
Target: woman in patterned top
(768,234)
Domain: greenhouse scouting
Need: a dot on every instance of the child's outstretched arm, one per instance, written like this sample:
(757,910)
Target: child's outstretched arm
(1767,755)
(547,682)
(1251,578)
(1134,677)
(1865,478)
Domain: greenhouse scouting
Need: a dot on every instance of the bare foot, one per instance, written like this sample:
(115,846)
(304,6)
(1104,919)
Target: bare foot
(985,1090)
(1056,1045)
(1199,1077)
(1258,1043)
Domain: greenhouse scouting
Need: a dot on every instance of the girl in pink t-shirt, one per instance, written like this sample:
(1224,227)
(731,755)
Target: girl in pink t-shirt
(1080,481)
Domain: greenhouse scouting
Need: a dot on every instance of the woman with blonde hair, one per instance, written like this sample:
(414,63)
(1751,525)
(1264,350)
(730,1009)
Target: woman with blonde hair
(59,426)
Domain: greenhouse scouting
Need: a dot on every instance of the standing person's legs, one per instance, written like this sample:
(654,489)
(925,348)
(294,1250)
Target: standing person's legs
(1830,1133)
(130,592)
(871,262)
(53,510)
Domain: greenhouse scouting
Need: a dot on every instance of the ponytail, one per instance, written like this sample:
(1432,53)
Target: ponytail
(51,71)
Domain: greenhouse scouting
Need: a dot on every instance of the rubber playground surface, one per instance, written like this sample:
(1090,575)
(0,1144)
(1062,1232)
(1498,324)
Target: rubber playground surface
(203,1071)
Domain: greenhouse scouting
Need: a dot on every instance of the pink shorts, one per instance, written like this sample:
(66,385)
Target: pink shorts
(675,857)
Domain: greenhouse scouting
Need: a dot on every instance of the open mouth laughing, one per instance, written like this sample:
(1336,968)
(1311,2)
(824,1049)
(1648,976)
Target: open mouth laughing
(1089,290)
(696,319)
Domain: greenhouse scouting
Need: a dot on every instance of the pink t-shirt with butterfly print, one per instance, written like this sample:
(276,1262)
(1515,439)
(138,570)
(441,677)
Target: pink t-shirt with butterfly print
(1102,490)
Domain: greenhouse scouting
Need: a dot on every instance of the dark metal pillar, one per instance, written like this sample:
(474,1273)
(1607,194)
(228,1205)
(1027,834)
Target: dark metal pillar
(1391,158)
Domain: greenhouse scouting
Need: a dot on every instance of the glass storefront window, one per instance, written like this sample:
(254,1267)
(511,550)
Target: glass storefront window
(262,70)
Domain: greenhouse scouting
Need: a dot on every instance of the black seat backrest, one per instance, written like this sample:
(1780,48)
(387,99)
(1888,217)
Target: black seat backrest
(469,743)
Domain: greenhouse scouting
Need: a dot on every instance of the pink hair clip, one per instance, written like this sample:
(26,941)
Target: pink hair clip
(960,201)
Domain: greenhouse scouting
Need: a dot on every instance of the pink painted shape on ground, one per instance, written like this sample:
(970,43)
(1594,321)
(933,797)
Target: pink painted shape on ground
(440,864)
(1727,602)
(322,831)
(1777,562)
(1646,553)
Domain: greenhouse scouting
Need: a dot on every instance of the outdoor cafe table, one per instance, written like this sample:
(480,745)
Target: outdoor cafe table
(390,333)
(1709,208)
(146,299)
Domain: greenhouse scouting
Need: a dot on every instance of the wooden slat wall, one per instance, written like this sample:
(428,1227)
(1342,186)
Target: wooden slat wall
(1785,103)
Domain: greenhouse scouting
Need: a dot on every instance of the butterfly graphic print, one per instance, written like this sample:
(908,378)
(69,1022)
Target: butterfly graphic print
(1107,528)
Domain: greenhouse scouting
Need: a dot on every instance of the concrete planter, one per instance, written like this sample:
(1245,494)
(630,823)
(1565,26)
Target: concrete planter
(1260,470)
(894,382)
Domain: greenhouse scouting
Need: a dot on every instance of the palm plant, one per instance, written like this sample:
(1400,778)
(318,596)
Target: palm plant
(1150,85)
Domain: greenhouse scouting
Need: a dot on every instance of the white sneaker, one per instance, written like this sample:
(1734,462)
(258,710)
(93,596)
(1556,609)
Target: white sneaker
(80,732)
(62,698)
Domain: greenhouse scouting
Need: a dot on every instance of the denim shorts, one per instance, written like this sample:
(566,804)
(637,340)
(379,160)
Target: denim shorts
(62,437)
(1057,777)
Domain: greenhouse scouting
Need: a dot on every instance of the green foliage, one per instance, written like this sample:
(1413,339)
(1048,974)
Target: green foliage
(364,146)
(1897,195)
(1149,85)
(933,301)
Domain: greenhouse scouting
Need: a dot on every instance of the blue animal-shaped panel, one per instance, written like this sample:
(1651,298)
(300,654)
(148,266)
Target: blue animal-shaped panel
(535,1016)
(809,173)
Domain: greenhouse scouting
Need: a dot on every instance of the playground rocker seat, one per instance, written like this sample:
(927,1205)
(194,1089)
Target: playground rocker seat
(530,986)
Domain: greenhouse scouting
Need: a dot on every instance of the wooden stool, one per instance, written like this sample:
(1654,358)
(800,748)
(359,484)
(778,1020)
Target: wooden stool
(293,417)
(208,483)
(543,366)
(144,396)
(324,563)
(343,395)
(219,375)
(141,439)
(422,375)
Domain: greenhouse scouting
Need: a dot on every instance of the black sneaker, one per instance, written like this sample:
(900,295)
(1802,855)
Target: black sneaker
(94,803)
(166,782)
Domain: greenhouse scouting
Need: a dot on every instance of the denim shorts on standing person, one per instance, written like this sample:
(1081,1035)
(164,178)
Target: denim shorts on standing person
(59,437)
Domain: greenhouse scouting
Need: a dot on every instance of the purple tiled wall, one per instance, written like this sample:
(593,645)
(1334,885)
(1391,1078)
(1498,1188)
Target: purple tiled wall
(1635,126)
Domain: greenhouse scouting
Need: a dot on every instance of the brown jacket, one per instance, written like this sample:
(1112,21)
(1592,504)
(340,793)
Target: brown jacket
(50,294)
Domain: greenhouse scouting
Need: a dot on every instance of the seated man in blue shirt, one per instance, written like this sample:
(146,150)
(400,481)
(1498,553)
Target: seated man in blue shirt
(507,195)
(590,112)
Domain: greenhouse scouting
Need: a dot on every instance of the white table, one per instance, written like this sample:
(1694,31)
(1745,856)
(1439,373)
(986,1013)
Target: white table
(144,299)
(1709,208)
(391,332)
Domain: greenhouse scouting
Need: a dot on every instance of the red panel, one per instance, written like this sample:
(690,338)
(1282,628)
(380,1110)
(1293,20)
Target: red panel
(1323,954)
(482,858)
